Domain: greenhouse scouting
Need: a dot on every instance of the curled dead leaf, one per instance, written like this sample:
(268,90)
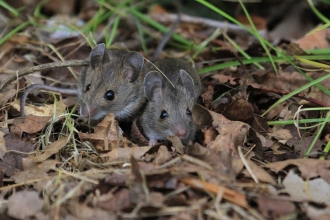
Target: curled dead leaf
(30,124)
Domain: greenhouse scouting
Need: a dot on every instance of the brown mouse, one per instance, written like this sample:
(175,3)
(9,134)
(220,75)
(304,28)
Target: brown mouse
(168,111)
(112,83)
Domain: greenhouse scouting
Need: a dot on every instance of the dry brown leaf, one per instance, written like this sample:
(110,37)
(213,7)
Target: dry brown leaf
(315,212)
(18,148)
(219,161)
(44,110)
(260,173)
(273,208)
(318,39)
(231,134)
(162,155)
(24,204)
(6,95)
(3,148)
(316,190)
(51,149)
(113,202)
(176,143)
(309,168)
(125,153)
(107,135)
(30,124)
(36,172)
(281,134)
(84,212)
(228,194)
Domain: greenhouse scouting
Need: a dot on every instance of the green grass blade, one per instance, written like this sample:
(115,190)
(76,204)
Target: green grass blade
(316,138)
(14,11)
(239,49)
(225,15)
(257,35)
(260,60)
(141,34)
(301,121)
(160,27)
(319,14)
(14,31)
(113,31)
(296,92)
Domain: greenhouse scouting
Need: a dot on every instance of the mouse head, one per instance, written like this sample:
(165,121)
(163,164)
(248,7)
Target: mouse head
(168,111)
(111,84)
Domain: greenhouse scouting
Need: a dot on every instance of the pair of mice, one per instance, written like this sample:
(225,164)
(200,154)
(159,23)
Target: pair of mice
(119,82)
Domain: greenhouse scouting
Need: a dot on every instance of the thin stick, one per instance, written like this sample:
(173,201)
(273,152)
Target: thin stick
(42,67)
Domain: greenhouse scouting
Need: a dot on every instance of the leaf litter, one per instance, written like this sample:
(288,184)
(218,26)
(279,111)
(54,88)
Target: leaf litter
(239,167)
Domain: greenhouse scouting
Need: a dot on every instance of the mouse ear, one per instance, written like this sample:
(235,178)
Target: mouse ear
(153,84)
(133,64)
(187,82)
(98,55)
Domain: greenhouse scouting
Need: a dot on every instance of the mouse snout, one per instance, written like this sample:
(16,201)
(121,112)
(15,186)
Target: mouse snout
(181,133)
(86,113)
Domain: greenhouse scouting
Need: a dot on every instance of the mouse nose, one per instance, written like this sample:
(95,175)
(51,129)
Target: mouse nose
(181,133)
(85,113)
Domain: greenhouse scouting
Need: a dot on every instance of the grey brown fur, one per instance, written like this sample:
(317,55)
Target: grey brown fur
(175,101)
(117,70)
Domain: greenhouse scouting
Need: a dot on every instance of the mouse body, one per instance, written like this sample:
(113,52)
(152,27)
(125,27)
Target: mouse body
(168,111)
(112,83)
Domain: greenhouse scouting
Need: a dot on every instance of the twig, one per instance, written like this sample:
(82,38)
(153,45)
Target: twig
(42,67)
(228,194)
(166,18)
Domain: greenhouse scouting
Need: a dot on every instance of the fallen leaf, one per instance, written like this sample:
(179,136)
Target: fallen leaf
(12,161)
(24,204)
(318,39)
(273,208)
(42,111)
(176,143)
(51,149)
(38,173)
(309,168)
(260,173)
(316,190)
(125,153)
(281,134)
(84,212)
(162,155)
(3,149)
(114,201)
(107,135)
(30,124)
(316,212)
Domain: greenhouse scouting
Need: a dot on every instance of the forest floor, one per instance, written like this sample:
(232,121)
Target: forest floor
(261,146)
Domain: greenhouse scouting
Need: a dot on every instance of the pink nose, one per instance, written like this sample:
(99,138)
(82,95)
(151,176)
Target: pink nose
(85,113)
(181,133)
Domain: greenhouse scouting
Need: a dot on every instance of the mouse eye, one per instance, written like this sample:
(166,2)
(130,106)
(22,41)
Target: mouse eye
(88,87)
(163,114)
(188,112)
(109,95)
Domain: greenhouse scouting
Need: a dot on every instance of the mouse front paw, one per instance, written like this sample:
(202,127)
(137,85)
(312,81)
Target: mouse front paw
(152,142)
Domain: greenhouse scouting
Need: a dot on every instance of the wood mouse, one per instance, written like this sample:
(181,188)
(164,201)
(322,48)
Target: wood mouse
(111,83)
(168,111)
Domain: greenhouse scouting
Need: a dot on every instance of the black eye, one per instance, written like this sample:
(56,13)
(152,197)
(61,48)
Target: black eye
(163,114)
(188,112)
(109,95)
(88,87)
